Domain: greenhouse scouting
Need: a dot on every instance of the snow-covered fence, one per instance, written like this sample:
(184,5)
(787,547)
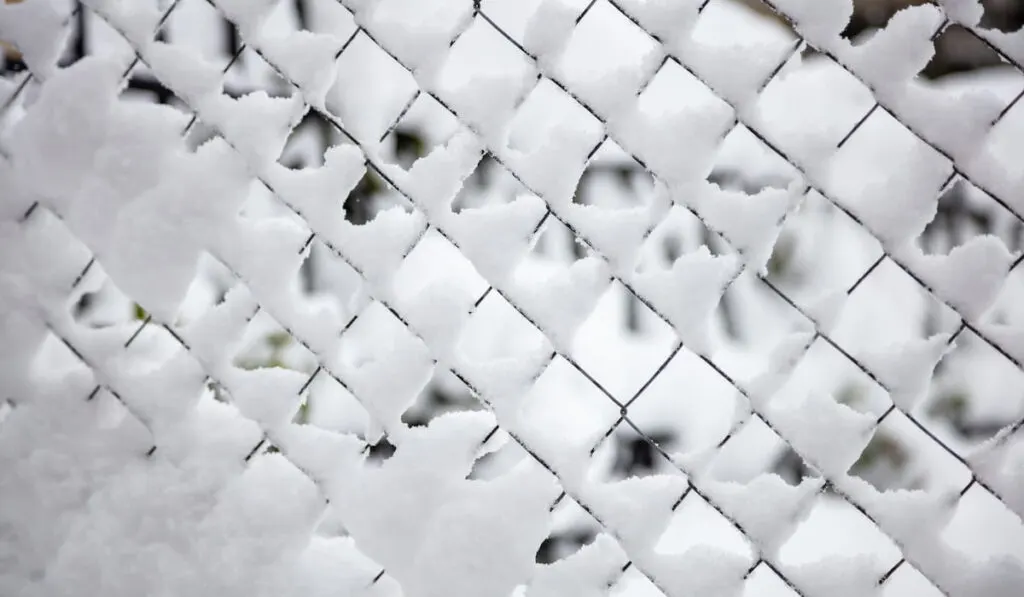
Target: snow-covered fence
(180,278)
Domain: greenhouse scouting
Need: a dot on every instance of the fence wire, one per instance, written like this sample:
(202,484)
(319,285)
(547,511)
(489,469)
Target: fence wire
(479,16)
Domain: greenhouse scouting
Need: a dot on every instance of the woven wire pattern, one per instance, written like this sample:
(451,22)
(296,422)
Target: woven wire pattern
(428,218)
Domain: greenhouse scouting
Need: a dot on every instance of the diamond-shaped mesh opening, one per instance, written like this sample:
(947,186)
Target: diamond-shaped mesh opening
(482,65)
(688,403)
(614,179)
(626,55)
(794,99)
(436,261)
(497,330)
(386,87)
(490,184)
(629,453)
(872,301)
(445,393)
(572,529)
(751,449)
(695,524)
(975,406)
(673,88)
(821,252)
(965,212)
(883,139)
(422,125)
(512,17)
(98,303)
(304,148)
(548,107)
(752,319)
(819,536)
(639,342)
(984,527)
(902,455)
(565,407)
(198,26)
(824,368)
(330,406)
(744,162)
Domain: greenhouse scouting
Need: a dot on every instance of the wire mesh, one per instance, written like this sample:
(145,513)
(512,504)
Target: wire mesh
(668,53)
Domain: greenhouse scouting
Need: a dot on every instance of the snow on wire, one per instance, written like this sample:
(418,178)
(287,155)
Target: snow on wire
(139,458)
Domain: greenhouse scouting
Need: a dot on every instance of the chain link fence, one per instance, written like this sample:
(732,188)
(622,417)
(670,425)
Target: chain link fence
(358,189)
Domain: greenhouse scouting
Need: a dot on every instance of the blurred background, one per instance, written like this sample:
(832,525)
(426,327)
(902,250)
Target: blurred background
(688,407)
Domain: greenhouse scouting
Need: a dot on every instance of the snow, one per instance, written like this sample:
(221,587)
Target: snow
(417,33)
(137,21)
(636,510)
(837,577)
(895,206)
(157,262)
(388,384)
(124,473)
(268,396)
(827,309)
(829,435)
(37,30)
(248,16)
(984,260)
(497,237)
(819,22)
(488,102)
(434,180)
(256,124)
(964,12)
(578,287)
(315,193)
(553,169)
(913,518)
(184,70)
(738,83)
(141,140)
(1010,43)
(751,223)
(59,134)
(212,336)
(438,314)
(587,573)
(998,463)
(306,59)
(906,369)
(548,31)
(702,571)
(677,146)
(688,293)
(671,21)
(376,248)
(445,538)
(957,124)
(504,381)
(616,233)
(890,58)
(767,508)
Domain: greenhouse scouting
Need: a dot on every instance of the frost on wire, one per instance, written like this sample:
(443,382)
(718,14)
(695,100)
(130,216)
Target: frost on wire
(139,458)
